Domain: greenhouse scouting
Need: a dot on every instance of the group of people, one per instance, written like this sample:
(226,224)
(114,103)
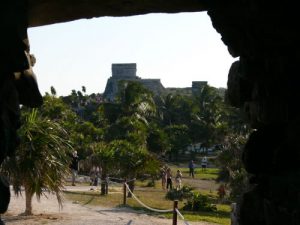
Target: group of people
(192,166)
(166,173)
(95,171)
(167,178)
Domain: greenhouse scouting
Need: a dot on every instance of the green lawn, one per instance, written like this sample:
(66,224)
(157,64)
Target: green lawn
(208,174)
(155,198)
(219,217)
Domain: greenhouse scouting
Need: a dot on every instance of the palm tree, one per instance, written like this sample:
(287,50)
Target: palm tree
(132,160)
(42,159)
(175,109)
(208,121)
(136,100)
(129,117)
(103,155)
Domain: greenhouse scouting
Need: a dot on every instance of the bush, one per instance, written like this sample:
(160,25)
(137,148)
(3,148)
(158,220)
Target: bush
(199,202)
(150,183)
(184,193)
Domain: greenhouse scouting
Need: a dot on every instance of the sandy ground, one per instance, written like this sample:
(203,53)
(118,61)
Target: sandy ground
(46,211)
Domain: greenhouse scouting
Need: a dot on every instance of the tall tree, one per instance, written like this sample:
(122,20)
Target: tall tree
(231,167)
(83,89)
(53,91)
(42,159)
(208,120)
(103,156)
(178,139)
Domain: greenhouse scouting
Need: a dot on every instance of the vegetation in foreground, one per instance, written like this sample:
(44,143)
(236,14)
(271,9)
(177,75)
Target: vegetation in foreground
(144,129)
(155,197)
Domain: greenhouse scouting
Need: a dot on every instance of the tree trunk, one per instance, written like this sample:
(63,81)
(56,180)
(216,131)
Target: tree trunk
(131,186)
(28,201)
(104,184)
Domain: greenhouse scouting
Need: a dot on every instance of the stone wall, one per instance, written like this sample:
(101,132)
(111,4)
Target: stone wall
(120,71)
(264,83)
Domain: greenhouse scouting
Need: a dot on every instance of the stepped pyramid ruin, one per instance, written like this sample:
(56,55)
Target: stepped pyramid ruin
(127,71)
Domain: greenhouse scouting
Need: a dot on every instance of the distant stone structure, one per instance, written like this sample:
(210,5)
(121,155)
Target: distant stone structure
(124,71)
(197,85)
(127,71)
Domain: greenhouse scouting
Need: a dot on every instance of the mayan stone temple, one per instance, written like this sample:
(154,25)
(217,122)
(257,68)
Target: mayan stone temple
(127,72)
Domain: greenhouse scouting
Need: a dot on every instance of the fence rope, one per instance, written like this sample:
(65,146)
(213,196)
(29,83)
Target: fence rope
(113,182)
(147,207)
(182,217)
(114,178)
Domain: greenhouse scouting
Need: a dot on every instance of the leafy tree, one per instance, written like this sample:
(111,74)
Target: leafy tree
(41,161)
(103,155)
(53,91)
(82,133)
(132,160)
(157,140)
(128,118)
(208,120)
(232,170)
(55,109)
(83,89)
(135,99)
(175,109)
(178,138)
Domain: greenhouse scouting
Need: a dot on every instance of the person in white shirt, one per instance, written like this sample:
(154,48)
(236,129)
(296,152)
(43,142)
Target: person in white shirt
(204,163)
(178,178)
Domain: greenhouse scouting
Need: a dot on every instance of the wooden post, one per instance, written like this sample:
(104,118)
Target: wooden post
(174,212)
(124,193)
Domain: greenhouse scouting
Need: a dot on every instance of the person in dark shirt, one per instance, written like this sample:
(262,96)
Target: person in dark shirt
(74,167)
(169,179)
(192,168)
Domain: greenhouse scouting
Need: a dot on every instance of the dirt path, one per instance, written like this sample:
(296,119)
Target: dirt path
(47,212)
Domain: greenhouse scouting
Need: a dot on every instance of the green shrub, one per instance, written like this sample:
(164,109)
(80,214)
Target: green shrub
(184,193)
(150,183)
(199,202)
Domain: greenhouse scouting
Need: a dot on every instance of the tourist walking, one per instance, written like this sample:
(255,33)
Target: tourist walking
(169,179)
(204,163)
(94,176)
(74,167)
(192,168)
(163,178)
(178,179)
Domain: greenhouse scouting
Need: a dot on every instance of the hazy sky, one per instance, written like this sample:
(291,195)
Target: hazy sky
(177,48)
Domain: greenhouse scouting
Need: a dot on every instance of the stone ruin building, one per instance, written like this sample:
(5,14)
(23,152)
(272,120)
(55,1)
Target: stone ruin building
(127,72)
(262,35)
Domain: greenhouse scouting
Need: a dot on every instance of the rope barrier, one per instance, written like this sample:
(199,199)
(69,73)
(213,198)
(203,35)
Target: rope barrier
(182,217)
(119,179)
(130,180)
(178,212)
(116,183)
(147,207)
(143,204)
(114,178)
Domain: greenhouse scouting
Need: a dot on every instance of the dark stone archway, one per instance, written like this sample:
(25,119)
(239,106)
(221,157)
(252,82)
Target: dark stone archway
(263,82)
